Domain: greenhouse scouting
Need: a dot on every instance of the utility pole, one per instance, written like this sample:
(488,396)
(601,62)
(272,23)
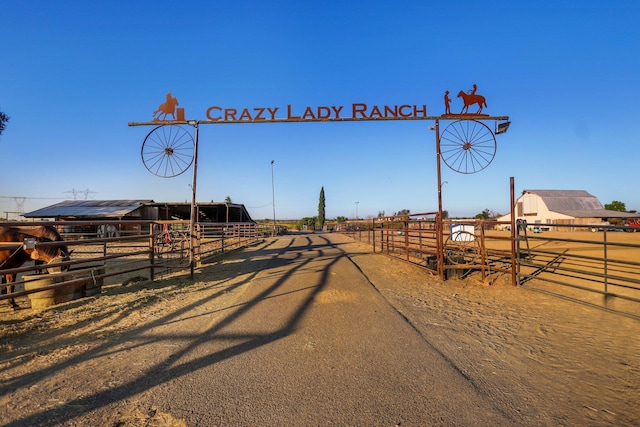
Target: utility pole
(273,198)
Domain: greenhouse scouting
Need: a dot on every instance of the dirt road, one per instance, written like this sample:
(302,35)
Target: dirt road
(312,329)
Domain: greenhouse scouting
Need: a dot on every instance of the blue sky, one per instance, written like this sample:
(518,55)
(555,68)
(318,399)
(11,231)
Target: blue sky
(73,74)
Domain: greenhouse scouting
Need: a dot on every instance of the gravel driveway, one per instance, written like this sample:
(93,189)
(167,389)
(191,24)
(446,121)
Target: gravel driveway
(312,329)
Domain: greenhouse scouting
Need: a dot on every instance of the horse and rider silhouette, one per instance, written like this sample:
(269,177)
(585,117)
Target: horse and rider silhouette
(166,108)
(469,99)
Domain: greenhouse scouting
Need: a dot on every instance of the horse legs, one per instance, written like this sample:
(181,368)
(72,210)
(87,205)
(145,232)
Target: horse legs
(9,278)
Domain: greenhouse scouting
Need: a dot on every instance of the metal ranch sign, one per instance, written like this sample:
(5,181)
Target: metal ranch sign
(167,112)
(320,113)
(291,113)
(466,144)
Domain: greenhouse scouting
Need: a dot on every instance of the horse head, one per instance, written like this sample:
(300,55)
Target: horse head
(51,254)
(27,238)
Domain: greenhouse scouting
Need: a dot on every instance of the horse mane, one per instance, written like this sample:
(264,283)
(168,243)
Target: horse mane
(42,233)
(47,232)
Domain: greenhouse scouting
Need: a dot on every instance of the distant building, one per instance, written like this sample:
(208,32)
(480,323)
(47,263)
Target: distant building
(96,210)
(142,210)
(540,207)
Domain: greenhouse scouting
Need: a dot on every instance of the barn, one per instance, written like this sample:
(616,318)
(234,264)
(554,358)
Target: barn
(85,211)
(102,210)
(88,210)
(539,207)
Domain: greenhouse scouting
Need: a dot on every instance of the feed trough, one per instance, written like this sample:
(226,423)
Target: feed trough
(64,286)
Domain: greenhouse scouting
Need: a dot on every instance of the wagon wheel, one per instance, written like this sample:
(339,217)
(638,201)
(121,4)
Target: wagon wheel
(467,146)
(461,248)
(172,248)
(167,151)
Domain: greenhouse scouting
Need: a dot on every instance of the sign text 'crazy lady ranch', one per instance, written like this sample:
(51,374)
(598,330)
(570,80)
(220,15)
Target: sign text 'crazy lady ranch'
(321,113)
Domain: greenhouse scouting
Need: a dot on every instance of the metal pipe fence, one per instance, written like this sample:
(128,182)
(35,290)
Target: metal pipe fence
(585,263)
(469,245)
(117,251)
(598,265)
(572,260)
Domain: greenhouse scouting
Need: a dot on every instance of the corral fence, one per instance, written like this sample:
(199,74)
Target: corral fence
(118,252)
(596,265)
(468,246)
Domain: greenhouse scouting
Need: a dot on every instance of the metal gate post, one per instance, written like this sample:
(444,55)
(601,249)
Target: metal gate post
(514,252)
(194,213)
(152,257)
(439,225)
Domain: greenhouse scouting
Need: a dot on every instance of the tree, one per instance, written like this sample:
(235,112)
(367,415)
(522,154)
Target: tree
(380,214)
(402,212)
(616,206)
(341,219)
(227,199)
(321,206)
(308,221)
(445,214)
(485,214)
(3,121)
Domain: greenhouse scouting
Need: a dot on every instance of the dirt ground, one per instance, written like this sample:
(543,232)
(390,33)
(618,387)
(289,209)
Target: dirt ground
(544,360)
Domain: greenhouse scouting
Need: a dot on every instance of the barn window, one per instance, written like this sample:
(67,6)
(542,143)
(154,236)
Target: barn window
(530,205)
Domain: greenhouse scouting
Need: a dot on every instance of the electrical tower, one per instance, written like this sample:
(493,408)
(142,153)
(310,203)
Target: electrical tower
(83,193)
(19,204)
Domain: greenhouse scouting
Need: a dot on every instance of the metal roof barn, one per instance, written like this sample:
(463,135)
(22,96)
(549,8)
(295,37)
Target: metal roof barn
(141,210)
(92,209)
(562,207)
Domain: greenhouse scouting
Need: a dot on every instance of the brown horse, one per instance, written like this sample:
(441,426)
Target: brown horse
(166,108)
(470,99)
(19,254)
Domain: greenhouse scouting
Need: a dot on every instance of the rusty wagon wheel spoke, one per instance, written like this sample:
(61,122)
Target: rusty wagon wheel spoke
(172,249)
(467,146)
(168,150)
(461,248)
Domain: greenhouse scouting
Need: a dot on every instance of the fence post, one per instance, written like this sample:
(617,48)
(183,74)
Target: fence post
(373,234)
(197,253)
(483,250)
(515,263)
(606,263)
(387,237)
(151,252)
(406,236)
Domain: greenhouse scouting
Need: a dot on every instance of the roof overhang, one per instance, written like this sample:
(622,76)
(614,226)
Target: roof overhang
(88,209)
(598,213)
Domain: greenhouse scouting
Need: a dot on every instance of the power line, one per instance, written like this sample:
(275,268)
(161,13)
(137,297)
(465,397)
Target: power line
(30,198)
(257,207)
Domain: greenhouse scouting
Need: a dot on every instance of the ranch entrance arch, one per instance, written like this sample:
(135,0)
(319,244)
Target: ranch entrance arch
(466,144)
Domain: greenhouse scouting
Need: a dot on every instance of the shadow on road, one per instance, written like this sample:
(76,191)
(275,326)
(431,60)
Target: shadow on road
(278,259)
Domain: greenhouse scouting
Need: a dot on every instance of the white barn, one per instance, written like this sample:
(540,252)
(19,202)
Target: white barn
(539,207)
